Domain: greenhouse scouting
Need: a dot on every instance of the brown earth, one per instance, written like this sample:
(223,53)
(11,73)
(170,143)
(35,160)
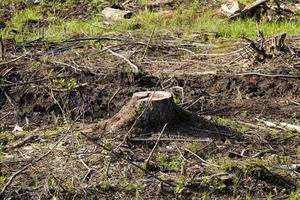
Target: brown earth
(59,90)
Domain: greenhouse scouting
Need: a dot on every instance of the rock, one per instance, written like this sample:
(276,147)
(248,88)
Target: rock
(232,7)
(112,14)
(17,128)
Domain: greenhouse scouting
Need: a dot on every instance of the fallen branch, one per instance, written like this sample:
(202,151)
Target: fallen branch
(24,141)
(152,151)
(13,60)
(166,139)
(135,69)
(88,174)
(267,75)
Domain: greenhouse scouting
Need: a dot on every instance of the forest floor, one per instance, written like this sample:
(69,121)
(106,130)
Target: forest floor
(65,70)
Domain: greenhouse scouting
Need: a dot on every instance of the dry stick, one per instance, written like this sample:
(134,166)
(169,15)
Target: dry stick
(152,151)
(13,60)
(14,175)
(201,159)
(167,139)
(33,81)
(148,43)
(90,170)
(200,98)
(266,75)
(22,142)
(294,102)
(222,54)
(113,96)
(135,69)
(60,107)
(6,115)
(102,145)
(65,64)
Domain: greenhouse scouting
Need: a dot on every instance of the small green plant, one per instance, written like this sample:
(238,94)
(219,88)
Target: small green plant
(2,180)
(107,182)
(248,196)
(193,146)
(294,115)
(50,182)
(270,196)
(166,163)
(71,84)
(244,114)
(181,183)
(283,159)
(130,186)
(295,195)
(176,100)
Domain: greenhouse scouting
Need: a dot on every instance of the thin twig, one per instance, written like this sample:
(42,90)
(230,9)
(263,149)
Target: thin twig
(90,170)
(201,159)
(166,139)
(65,64)
(152,151)
(148,43)
(13,60)
(113,96)
(267,75)
(135,69)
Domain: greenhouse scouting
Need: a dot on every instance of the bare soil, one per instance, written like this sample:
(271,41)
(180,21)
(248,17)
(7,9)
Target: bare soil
(58,92)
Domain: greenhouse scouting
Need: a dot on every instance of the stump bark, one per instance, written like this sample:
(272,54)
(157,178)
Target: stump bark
(147,110)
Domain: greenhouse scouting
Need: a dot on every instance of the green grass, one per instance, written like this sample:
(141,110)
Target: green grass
(2,180)
(185,19)
(189,20)
(166,163)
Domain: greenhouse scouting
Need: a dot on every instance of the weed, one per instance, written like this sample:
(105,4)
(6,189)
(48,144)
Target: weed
(107,182)
(294,195)
(16,25)
(270,196)
(248,196)
(176,100)
(166,163)
(71,84)
(283,159)
(2,180)
(181,183)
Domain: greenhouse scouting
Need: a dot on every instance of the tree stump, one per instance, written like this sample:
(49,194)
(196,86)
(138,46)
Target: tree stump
(147,110)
